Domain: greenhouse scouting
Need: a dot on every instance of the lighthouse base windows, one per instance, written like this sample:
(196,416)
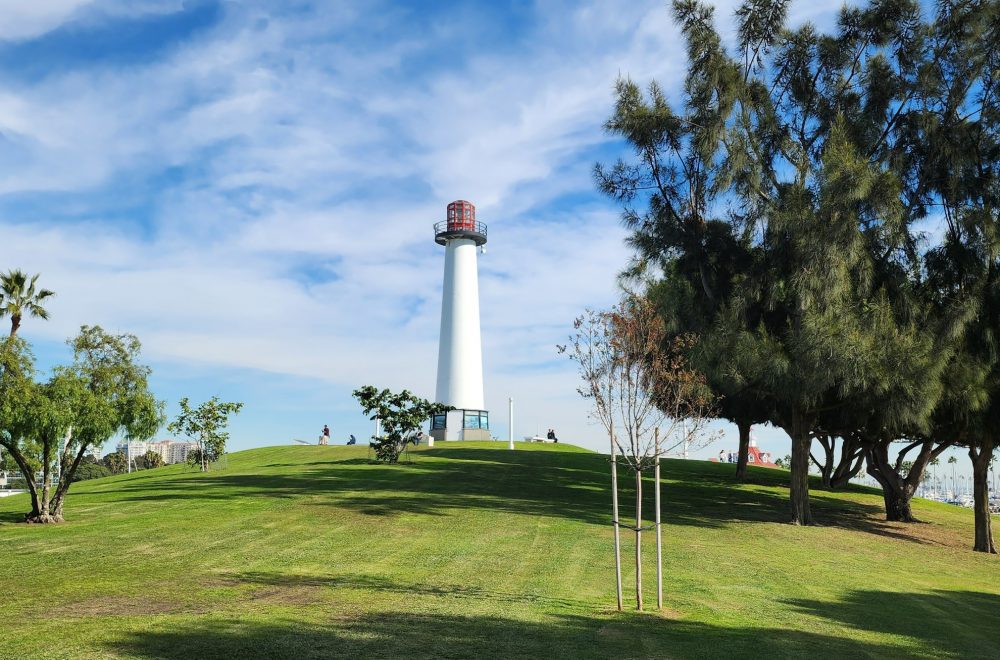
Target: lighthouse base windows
(461,425)
(476,419)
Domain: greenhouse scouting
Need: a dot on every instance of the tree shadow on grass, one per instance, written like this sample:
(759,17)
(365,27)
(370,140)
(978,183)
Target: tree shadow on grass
(373,583)
(535,483)
(958,624)
(555,484)
(965,624)
(407,635)
(10,517)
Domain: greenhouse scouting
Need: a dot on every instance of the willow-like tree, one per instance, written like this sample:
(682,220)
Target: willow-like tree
(103,393)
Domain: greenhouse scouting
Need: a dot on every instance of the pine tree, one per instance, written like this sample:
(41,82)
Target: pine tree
(951,161)
(777,223)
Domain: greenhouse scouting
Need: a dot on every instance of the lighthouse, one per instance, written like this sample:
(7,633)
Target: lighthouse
(460,352)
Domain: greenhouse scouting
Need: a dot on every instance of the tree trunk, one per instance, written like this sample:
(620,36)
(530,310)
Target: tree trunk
(852,457)
(29,479)
(614,514)
(825,466)
(741,461)
(896,490)
(981,494)
(44,518)
(897,504)
(659,536)
(44,514)
(65,479)
(638,539)
(799,490)
(46,475)
(15,323)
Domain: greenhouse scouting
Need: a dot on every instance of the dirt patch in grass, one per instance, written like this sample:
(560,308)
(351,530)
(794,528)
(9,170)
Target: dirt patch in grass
(129,606)
(916,532)
(102,606)
(924,532)
(270,594)
(291,595)
(670,613)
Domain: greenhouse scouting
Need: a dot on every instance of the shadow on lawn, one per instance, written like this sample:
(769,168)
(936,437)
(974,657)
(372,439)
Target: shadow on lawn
(960,623)
(555,484)
(10,517)
(372,583)
(407,635)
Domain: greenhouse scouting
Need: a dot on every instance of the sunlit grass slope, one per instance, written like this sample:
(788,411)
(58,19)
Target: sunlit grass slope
(475,551)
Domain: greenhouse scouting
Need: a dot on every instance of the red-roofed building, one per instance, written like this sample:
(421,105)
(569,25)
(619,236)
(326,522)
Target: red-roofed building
(754,456)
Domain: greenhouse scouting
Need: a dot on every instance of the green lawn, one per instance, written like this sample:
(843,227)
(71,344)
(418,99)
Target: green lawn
(475,551)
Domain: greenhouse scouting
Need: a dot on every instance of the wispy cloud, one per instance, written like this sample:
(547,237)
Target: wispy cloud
(257,194)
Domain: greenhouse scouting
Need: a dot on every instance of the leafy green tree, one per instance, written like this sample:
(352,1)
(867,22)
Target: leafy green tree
(151,460)
(400,415)
(17,393)
(91,470)
(103,393)
(206,425)
(116,462)
(20,297)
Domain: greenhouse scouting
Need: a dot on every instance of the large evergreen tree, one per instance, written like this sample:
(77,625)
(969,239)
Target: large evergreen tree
(950,159)
(772,213)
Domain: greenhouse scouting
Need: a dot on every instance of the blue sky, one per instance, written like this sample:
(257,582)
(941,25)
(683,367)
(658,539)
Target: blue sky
(250,187)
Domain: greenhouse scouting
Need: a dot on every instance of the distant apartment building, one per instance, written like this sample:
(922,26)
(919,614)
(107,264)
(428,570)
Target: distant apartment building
(171,451)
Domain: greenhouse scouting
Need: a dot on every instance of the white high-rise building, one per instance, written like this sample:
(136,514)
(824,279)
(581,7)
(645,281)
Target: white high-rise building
(460,352)
(171,451)
(133,449)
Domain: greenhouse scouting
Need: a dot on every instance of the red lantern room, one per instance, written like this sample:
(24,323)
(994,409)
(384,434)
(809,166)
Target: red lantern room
(461,215)
(461,223)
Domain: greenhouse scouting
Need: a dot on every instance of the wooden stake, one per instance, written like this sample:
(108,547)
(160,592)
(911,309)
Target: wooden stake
(638,539)
(614,505)
(659,538)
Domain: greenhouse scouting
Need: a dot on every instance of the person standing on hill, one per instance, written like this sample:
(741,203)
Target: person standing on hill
(325,438)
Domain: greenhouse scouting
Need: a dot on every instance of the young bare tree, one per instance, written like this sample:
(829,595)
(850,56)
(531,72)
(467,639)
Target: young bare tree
(645,395)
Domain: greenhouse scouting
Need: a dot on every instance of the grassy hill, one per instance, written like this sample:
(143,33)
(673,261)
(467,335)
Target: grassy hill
(475,551)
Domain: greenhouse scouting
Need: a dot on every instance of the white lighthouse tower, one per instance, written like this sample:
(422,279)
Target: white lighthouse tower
(460,353)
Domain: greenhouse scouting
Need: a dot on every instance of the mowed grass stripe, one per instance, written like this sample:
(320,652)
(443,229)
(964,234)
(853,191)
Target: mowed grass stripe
(472,550)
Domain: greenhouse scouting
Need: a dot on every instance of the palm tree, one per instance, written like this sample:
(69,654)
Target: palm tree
(19,297)
(954,482)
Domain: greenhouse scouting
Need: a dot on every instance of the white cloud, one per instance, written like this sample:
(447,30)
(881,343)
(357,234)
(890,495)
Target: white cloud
(296,239)
(22,20)
(26,19)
